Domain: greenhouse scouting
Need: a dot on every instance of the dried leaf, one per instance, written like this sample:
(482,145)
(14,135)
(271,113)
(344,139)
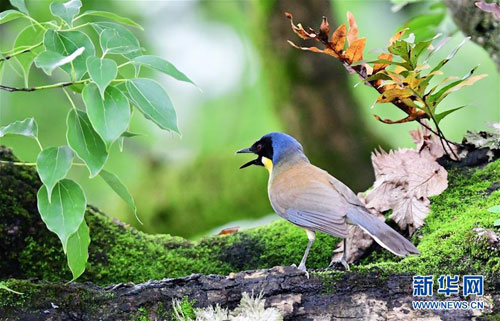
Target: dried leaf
(299,30)
(401,121)
(327,51)
(427,144)
(355,51)
(467,82)
(490,236)
(338,38)
(229,230)
(352,36)
(410,212)
(494,8)
(397,36)
(483,139)
(324,30)
(382,66)
(404,180)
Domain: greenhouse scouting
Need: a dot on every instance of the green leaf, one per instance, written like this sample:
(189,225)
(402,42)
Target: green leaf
(122,138)
(27,37)
(66,11)
(112,16)
(9,15)
(109,117)
(419,48)
(426,25)
(129,134)
(115,39)
(467,80)
(50,60)
(377,76)
(137,67)
(494,209)
(78,250)
(152,100)
(20,5)
(443,62)
(77,88)
(85,142)
(445,113)
(6,288)
(114,182)
(163,66)
(102,72)
(496,223)
(67,42)
(52,165)
(64,214)
(400,48)
(27,127)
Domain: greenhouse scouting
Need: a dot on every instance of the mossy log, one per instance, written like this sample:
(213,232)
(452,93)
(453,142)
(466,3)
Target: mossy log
(323,296)
(31,260)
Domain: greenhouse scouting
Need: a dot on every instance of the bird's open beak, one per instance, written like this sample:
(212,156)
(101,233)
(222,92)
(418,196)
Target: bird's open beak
(257,161)
(244,151)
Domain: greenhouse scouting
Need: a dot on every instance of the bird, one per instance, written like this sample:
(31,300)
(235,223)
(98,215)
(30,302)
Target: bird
(312,199)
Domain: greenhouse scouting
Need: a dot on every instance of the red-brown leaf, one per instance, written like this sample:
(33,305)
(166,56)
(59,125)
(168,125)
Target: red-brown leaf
(382,56)
(229,230)
(324,30)
(397,36)
(299,30)
(327,50)
(355,51)
(352,36)
(338,38)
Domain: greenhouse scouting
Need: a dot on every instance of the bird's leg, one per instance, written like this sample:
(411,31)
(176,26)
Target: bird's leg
(311,236)
(343,260)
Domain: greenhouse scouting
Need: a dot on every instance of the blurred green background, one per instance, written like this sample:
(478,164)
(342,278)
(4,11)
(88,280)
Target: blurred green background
(252,82)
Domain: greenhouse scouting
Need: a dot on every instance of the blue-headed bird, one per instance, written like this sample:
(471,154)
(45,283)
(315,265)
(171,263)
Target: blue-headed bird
(312,199)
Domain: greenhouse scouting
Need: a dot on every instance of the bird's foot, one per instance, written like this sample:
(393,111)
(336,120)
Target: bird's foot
(339,265)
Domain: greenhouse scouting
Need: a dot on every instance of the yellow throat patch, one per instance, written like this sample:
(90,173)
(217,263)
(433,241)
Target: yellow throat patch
(268,164)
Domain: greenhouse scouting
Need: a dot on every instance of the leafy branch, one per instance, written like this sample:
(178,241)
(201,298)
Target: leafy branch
(108,93)
(397,75)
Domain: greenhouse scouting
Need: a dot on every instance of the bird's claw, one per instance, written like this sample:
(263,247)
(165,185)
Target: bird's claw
(302,268)
(334,265)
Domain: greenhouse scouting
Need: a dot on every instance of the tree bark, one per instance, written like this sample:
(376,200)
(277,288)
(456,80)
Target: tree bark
(313,96)
(481,26)
(372,296)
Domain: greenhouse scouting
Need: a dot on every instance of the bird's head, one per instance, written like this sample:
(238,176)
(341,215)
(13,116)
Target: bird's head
(274,149)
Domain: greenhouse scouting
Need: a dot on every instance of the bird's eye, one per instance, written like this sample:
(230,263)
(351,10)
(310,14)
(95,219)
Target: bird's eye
(259,147)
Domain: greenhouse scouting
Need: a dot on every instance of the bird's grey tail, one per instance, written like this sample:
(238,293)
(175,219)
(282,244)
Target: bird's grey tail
(382,233)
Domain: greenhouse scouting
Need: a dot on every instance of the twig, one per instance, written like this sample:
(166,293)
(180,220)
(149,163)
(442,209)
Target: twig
(58,85)
(7,57)
(3,162)
(16,163)
(435,133)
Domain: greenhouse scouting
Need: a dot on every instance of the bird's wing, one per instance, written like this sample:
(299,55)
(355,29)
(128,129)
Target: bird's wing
(305,196)
(345,191)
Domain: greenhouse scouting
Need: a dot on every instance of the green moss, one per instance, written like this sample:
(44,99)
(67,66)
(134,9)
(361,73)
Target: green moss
(187,308)
(142,315)
(33,292)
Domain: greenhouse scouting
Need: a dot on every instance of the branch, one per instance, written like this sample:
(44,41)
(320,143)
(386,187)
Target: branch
(7,57)
(58,85)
